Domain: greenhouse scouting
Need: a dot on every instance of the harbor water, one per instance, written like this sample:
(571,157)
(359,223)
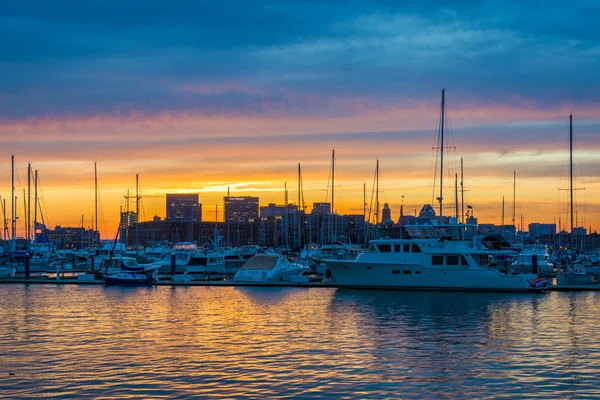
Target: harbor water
(265,342)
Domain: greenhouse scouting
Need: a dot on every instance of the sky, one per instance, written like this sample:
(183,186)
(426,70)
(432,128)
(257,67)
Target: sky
(198,96)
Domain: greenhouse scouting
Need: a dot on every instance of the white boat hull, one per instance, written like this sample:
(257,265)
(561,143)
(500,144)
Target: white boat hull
(419,277)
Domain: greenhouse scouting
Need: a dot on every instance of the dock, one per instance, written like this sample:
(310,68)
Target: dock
(45,280)
(75,281)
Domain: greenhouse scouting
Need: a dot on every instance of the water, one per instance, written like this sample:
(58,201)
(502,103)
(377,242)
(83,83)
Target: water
(94,341)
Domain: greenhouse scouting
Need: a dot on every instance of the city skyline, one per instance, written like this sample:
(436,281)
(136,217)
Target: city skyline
(198,102)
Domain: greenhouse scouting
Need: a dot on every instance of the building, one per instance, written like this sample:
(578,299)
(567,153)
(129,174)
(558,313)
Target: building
(240,209)
(127,226)
(537,230)
(273,210)
(386,215)
(321,208)
(72,238)
(183,207)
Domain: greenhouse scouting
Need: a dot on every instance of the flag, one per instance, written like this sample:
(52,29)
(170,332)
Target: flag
(40,226)
(470,207)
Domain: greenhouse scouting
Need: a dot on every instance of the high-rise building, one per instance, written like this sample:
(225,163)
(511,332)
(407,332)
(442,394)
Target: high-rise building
(183,206)
(240,209)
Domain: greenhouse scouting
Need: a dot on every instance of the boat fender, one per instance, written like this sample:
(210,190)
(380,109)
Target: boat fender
(540,282)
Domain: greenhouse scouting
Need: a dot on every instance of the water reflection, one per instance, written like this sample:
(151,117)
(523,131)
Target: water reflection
(266,342)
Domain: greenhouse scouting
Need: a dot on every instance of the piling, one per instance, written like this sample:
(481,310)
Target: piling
(27,269)
(172,266)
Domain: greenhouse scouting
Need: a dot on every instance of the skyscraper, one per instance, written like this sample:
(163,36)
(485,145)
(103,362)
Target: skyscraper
(240,209)
(183,206)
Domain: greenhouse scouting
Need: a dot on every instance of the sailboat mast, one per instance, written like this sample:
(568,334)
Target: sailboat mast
(441,198)
(462,193)
(332,192)
(571,173)
(13,243)
(29,201)
(365,214)
(514,199)
(96,196)
(377,194)
(299,205)
(35,202)
(456,196)
(137,209)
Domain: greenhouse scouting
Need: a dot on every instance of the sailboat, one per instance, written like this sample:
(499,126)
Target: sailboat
(437,256)
(575,274)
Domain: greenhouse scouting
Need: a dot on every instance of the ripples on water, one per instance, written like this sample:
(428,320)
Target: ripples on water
(81,341)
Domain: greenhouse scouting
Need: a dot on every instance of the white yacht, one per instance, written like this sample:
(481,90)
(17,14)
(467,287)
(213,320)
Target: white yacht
(183,252)
(207,262)
(436,257)
(269,267)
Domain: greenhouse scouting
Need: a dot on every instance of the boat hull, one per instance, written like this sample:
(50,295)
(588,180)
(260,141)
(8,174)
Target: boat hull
(131,280)
(418,277)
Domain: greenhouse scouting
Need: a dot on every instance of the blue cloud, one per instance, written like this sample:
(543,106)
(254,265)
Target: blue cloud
(91,57)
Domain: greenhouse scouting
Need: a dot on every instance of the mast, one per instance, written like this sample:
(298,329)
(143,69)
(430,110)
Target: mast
(35,202)
(462,193)
(365,214)
(137,210)
(29,201)
(96,196)
(502,226)
(441,198)
(571,174)
(25,211)
(13,243)
(456,196)
(299,204)
(376,194)
(514,200)
(332,238)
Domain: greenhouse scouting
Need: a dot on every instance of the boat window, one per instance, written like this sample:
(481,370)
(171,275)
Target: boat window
(197,261)
(407,248)
(372,248)
(407,272)
(416,249)
(395,271)
(397,248)
(464,261)
(451,260)
(437,260)
(417,272)
(384,248)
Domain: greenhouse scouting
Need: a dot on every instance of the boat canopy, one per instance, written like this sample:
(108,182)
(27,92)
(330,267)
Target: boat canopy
(262,262)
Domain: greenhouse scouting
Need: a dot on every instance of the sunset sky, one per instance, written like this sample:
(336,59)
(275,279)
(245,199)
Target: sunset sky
(199,96)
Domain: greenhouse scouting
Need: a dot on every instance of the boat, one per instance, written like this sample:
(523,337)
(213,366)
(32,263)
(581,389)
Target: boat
(7,271)
(437,256)
(207,262)
(130,278)
(269,267)
(574,274)
(183,252)
(544,261)
(126,271)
